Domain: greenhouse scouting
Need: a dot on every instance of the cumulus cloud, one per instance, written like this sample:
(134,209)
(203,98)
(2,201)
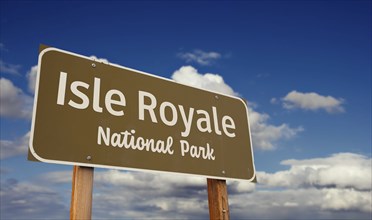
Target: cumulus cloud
(14,148)
(275,204)
(150,195)
(264,135)
(200,57)
(26,200)
(346,199)
(140,179)
(8,68)
(341,170)
(337,187)
(312,101)
(103,60)
(237,187)
(147,195)
(142,195)
(31,77)
(57,177)
(14,103)
(308,203)
(188,75)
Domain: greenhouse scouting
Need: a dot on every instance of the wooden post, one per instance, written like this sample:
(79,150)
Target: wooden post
(82,190)
(217,200)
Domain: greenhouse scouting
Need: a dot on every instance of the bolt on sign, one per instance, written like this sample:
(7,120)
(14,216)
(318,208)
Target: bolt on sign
(92,113)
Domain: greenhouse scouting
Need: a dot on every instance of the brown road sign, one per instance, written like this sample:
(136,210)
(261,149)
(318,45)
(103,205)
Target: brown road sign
(92,113)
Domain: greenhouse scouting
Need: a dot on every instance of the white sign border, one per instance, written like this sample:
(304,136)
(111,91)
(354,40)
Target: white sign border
(44,51)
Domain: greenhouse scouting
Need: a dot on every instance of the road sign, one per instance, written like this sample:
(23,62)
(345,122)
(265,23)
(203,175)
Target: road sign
(91,113)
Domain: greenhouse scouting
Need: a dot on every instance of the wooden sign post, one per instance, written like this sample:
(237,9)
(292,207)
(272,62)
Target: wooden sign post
(217,199)
(82,191)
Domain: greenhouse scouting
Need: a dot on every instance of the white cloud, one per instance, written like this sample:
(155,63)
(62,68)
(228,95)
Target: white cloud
(9,68)
(309,203)
(14,148)
(170,195)
(265,204)
(57,177)
(14,103)
(103,60)
(264,135)
(143,195)
(200,57)
(31,77)
(155,197)
(146,195)
(334,187)
(140,179)
(237,187)
(26,200)
(346,199)
(188,75)
(312,101)
(342,170)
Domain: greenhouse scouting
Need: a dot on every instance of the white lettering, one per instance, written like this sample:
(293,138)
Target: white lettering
(105,136)
(230,125)
(206,120)
(109,101)
(77,89)
(142,107)
(174,113)
(84,98)
(97,90)
(205,153)
(215,120)
(186,121)
(129,141)
(62,88)
(184,147)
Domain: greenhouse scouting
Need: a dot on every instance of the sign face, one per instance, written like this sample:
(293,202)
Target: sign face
(91,113)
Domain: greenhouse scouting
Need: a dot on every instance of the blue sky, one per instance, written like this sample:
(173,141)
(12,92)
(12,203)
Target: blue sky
(303,66)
